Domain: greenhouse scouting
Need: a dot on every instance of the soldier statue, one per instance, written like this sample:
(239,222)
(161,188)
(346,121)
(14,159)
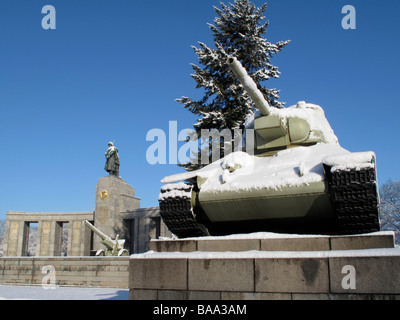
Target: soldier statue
(112,163)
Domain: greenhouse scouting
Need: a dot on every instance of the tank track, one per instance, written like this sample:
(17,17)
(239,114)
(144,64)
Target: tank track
(355,198)
(177,213)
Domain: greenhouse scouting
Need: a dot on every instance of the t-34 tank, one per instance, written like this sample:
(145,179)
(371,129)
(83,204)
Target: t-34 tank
(294,177)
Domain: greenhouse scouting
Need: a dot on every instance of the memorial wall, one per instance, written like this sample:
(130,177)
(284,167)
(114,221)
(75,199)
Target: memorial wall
(117,212)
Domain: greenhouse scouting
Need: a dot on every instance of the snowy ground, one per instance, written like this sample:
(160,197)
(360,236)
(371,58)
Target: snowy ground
(10,292)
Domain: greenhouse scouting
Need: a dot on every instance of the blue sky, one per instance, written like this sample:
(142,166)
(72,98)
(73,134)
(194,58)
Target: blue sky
(111,70)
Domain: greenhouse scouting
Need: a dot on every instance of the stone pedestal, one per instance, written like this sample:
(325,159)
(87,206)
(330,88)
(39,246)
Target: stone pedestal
(276,242)
(114,197)
(261,268)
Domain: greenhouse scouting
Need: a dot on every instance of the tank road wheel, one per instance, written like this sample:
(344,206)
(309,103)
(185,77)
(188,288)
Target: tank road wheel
(355,197)
(177,213)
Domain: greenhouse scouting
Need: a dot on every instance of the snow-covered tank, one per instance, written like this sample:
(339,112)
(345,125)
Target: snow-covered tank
(296,179)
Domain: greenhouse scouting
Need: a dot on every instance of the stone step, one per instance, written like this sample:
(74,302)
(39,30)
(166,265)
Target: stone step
(276,242)
(334,274)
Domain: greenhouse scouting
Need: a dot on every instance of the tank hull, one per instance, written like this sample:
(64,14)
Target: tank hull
(305,201)
(347,202)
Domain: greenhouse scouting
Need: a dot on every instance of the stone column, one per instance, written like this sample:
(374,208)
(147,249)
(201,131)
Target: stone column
(15,238)
(46,238)
(78,239)
(114,197)
(57,238)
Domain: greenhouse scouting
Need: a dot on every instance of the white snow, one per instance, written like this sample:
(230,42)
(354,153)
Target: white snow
(169,190)
(312,113)
(268,254)
(291,167)
(315,117)
(272,254)
(179,177)
(38,292)
(169,187)
(272,235)
(356,160)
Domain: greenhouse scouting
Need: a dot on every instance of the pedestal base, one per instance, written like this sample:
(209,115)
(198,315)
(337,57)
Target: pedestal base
(266,241)
(325,273)
(114,197)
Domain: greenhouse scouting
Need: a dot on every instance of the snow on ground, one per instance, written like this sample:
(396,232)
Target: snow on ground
(17,292)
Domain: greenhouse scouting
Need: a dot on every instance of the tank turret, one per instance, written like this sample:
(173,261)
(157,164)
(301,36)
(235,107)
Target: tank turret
(279,129)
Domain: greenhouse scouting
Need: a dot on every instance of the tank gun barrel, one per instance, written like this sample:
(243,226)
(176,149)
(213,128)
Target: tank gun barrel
(249,85)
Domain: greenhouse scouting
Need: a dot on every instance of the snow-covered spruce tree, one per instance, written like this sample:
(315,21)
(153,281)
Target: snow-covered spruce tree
(238,31)
(390,207)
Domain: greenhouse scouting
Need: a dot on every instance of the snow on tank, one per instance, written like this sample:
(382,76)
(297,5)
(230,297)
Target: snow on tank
(297,179)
